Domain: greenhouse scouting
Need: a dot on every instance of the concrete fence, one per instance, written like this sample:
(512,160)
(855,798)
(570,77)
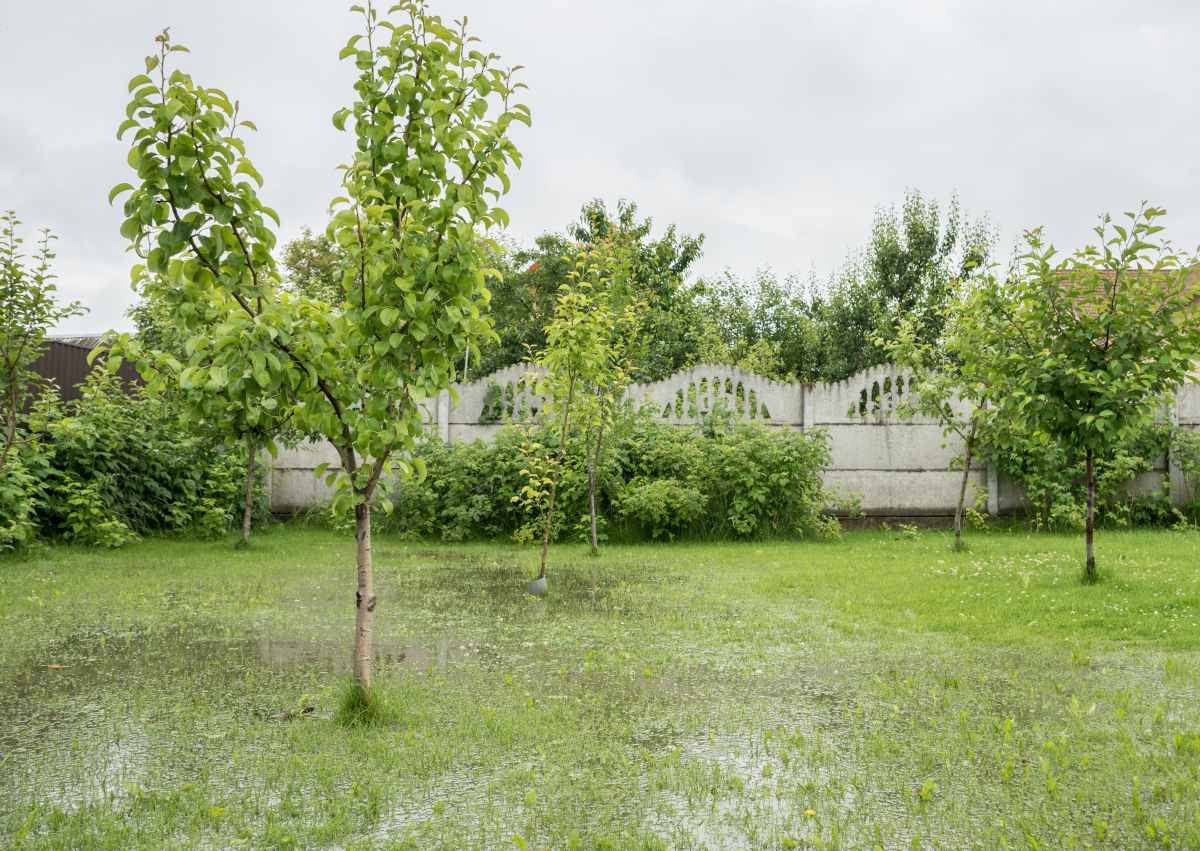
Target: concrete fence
(892,465)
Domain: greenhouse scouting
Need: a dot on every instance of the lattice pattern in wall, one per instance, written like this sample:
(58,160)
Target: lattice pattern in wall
(880,398)
(687,397)
(702,397)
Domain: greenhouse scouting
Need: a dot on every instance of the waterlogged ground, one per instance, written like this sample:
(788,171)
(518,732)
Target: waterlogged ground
(880,691)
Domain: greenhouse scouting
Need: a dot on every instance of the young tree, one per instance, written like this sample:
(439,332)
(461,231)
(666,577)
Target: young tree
(1085,350)
(431,123)
(28,310)
(948,383)
(618,317)
(576,364)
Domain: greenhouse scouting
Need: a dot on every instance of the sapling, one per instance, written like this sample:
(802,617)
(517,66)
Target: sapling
(430,122)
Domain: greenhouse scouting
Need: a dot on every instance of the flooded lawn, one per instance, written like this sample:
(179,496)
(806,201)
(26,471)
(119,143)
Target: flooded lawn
(874,692)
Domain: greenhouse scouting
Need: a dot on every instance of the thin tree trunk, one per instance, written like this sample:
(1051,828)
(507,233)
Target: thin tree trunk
(962,489)
(593,476)
(248,505)
(562,451)
(10,431)
(1090,571)
(364,598)
(546,530)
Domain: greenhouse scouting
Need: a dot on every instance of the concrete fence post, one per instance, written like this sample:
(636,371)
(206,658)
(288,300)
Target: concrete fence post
(993,493)
(443,416)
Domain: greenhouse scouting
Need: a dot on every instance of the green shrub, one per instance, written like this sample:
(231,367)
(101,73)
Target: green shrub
(1185,452)
(17,497)
(85,519)
(663,506)
(113,465)
(1054,482)
(467,491)
(743,481)
(763,482)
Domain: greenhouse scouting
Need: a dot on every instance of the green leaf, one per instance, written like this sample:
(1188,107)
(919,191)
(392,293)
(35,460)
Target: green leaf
(247,168)
(117,190)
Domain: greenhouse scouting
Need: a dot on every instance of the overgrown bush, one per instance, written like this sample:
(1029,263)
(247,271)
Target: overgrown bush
(1054,482)
(17,491)
(655,480)
(110,466)
(1185,452)
(662,506)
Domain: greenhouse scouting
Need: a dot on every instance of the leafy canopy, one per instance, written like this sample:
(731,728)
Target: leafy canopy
(430,124)
(28,310)
(1085,349)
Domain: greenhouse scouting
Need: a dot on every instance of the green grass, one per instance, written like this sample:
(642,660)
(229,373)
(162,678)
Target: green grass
(877,691)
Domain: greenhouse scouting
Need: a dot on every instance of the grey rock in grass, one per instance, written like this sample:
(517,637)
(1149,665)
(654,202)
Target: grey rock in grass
(537,587)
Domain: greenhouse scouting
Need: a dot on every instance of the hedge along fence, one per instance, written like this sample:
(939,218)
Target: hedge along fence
(111,465)
(890,465)
(729,480)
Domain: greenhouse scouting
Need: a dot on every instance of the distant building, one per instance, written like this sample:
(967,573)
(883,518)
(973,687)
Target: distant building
(65,362)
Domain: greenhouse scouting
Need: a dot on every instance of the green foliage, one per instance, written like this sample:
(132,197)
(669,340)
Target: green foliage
(432,151)
(661,506)
(315,265)
(827,331)
(784,329)
(84,518)
(763,483)
(110,466)
(761,325)
(524,299)
(18,490)
(430,126)
(905,273)
(28,309)
(493,404)
(1054,478)
(1093,343)
(584,371)
(585,354)
(468,491)
(1185,452)
(655,480)
(1082,354)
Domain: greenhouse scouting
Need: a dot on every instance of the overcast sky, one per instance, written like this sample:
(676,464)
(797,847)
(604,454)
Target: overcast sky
(774,128)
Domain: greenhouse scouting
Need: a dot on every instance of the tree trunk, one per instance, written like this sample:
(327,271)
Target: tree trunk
(1090,525)
(10,430)
(593,475)
(962,490)
(562,451)
(364,599)
(248,505)
(546,530)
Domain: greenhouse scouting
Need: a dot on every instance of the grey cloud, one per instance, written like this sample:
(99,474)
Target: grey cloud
(773,127)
